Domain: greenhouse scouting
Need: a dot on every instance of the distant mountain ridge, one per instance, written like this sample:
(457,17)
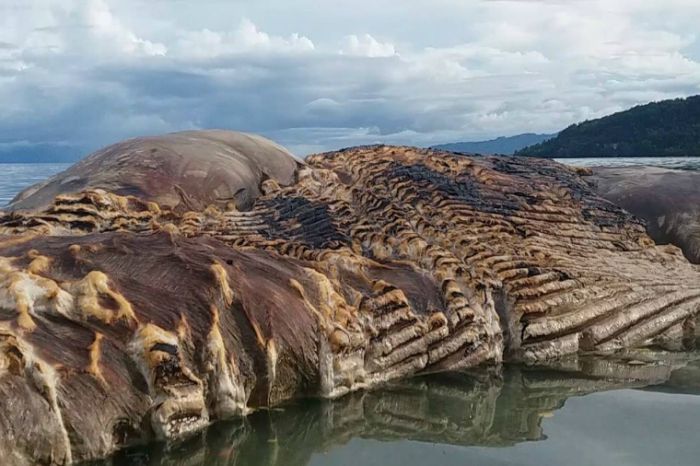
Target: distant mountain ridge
(669,128)
(502,145)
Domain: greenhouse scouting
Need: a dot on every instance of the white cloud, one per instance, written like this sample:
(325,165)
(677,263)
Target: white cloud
(101,23)
(92,71)
(86,28)
(367,46)
(247,38)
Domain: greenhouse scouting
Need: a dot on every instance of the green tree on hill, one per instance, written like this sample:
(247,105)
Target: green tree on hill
(660,129)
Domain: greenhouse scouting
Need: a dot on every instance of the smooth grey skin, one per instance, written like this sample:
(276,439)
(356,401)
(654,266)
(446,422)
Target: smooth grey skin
(183,171)
(667,199)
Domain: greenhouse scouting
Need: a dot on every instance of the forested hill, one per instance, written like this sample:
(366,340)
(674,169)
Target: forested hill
(667,128)
(501,145)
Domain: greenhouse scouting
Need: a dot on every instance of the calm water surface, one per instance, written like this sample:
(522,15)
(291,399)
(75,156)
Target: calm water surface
(593,412)
(16,177)
(639,411)
(681,163)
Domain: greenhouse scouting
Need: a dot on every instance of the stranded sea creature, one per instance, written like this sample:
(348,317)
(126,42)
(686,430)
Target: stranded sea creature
(236,277)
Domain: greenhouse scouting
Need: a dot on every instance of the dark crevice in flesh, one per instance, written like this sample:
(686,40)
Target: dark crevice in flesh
(509,323)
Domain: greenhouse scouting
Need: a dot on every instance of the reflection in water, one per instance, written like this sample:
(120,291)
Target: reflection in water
(497,408)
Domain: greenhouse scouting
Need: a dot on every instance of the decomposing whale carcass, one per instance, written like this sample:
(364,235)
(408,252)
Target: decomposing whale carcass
(667,199)
(183,171)
(132,310)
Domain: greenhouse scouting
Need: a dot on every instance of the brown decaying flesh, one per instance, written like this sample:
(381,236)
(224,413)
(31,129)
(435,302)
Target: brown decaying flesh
(122,321)
(668,200)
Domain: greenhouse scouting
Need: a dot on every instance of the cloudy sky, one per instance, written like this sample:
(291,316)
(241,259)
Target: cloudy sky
(317,75)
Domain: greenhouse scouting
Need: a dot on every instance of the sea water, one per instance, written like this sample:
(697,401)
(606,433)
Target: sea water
(14,177)
(521,416)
